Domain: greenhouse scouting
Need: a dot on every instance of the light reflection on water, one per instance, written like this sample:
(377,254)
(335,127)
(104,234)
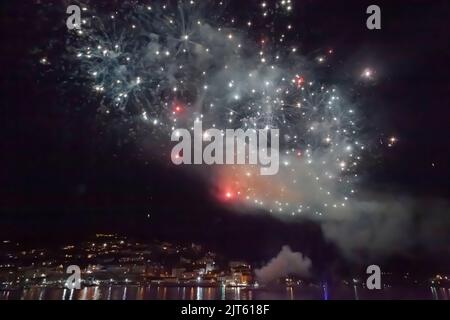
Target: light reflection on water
(131,292)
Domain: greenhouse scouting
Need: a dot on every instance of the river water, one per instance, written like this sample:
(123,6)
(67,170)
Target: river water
(131,292)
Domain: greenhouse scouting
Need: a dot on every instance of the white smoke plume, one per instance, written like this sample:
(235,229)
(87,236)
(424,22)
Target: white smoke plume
(386,225)
(285,263)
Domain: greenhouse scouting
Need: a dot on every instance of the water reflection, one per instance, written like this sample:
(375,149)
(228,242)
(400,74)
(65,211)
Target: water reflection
(355,289)
(221,293)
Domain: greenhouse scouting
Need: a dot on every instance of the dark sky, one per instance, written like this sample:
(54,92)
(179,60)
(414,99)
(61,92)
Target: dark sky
(63,176)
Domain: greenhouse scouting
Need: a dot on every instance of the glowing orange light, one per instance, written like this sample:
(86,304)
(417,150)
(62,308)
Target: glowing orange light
(299,80)
(177,106)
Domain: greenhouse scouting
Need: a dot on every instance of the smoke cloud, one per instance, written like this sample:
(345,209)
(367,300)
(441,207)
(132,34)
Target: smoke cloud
(366,225)
(386,225)
(285,263)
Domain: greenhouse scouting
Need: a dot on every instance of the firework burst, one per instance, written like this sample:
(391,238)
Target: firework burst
(167,65)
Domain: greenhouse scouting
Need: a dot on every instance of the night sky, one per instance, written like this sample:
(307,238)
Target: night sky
(67,173)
